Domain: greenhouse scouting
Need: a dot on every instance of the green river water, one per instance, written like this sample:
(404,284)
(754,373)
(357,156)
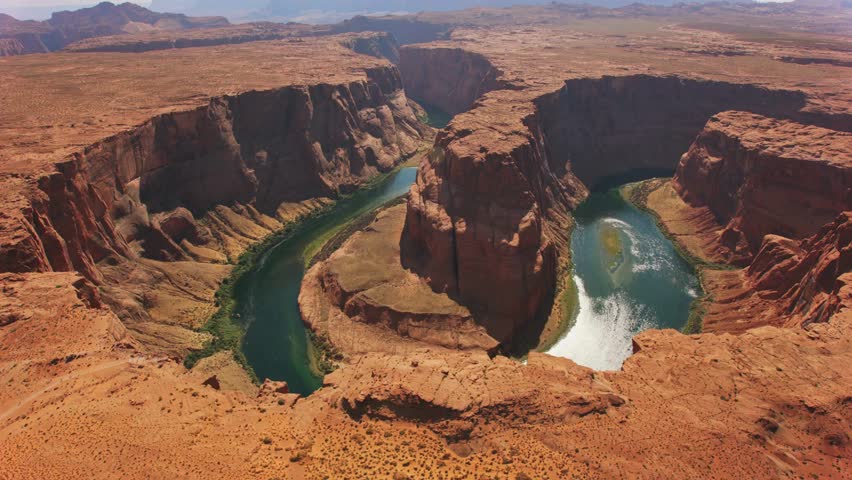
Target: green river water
(276,344)
(629,278)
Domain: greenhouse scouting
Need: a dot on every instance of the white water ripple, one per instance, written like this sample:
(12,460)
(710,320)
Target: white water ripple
(601,337)
(650,256)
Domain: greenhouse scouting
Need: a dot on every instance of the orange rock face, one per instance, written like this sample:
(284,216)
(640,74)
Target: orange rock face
(460,78)
(198,184)
(215,155)
(764,176)
(790,283)
(487,219)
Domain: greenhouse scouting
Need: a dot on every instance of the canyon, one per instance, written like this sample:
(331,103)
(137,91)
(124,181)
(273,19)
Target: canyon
(132,197)
(176,197)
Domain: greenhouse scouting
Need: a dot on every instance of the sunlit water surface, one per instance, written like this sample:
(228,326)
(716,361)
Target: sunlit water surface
(629,278)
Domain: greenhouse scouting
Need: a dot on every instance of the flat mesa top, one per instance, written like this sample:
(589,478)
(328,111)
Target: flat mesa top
(52,105)
(541,57)
(784,138)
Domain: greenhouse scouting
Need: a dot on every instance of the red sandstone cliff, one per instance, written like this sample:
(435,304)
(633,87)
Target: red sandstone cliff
(637,126)
(762,176)
(487,222)
(202,185)
(481,217)
(811,278)
(790,283)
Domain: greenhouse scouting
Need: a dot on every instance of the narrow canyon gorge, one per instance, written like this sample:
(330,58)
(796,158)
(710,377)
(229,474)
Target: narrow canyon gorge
(145,207)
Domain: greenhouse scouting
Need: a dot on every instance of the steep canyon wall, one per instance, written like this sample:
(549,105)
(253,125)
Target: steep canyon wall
(612,126)
(761,176)
(488,217)
(488,223)
(451,79)
(168,189)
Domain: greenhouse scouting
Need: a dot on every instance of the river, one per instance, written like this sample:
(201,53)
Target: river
(628,275)
(629,278)
(276,344)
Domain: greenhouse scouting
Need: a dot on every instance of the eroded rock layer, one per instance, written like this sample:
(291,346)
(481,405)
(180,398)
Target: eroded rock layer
(487,222)
(264,148)
(762,176)
(135,211)
(613,127)
(790,283)
(363,301)
(448,78)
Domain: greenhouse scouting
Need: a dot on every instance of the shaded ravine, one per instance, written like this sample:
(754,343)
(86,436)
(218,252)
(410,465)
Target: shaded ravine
(629,278)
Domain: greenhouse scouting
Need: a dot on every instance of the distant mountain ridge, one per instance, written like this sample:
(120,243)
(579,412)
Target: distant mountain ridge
(300,9)
(19,37)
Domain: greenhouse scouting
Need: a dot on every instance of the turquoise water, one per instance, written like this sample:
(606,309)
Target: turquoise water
(640,284)
(276,342)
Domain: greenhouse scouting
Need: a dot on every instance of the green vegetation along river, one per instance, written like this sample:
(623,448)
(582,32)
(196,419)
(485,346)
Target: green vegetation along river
(276,343)
(629,278)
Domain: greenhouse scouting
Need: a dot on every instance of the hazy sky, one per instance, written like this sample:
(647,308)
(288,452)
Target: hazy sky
(63,3)
(41,9)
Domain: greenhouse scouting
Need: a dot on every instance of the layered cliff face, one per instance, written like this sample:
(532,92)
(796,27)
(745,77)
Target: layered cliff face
(761,176)
(592,132)
(487,222)
(364,301)
(640,125)
(811,279)
(790,283)
(203,185)
(448,78)
(262,147)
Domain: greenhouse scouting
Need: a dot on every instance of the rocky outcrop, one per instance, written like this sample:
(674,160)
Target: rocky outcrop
(761,176)
(362,300)
(487,221)
(103,19)
(379,45)
(459,396)
(812,278)
(261,148)
(448,78)
(480,404)
(152,214)
(790,283)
